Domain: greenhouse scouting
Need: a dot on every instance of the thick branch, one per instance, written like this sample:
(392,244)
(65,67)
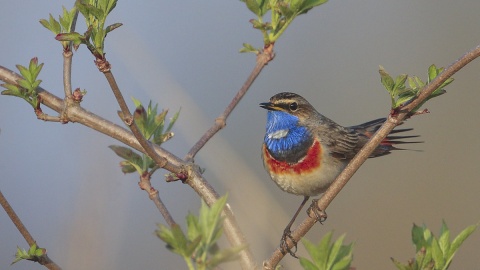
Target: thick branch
(364,153)
(263,58)
(43,260)
(175,165)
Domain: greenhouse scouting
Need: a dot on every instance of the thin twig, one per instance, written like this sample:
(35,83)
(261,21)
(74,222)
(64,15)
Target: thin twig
(67,61)
(67,73)
(263,59)
(43,260)
(146,185)
(128,119)
(364,153)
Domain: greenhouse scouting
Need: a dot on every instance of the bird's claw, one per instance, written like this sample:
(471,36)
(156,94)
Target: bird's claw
(287,234)
(319,214)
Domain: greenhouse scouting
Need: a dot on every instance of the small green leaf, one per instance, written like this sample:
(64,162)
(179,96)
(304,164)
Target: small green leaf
(24,83)
(308,265)
(225,255)
(249,48)
(125,152)
(444,238)
(112,27)
(24,72)
(309,4)
(386,79)
(437,254)
(75,37)
(458,241)
(258,7)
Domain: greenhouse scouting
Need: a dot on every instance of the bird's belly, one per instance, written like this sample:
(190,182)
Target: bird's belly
(311,176)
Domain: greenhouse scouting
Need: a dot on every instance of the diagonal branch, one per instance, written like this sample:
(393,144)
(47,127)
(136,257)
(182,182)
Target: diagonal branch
(43,260)
(263,59)
(128,119)
(364,153)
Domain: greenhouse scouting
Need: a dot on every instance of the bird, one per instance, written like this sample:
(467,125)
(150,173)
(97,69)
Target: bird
(303,151)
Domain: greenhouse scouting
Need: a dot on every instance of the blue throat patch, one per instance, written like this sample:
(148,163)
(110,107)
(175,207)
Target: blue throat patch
(284,135)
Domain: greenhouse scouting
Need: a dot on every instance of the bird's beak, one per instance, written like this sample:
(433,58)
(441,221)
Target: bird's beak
(269,106)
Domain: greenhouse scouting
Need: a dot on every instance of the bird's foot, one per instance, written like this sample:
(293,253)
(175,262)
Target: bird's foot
(287,234)
(318,214)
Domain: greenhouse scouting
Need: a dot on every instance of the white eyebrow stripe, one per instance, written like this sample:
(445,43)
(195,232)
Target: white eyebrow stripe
(278,134)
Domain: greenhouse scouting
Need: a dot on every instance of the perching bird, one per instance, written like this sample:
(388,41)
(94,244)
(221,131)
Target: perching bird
(304,151)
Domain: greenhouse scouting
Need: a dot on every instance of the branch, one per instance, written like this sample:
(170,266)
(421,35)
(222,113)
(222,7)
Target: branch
(175,164)
(67,73)
(67,61)
(128,118)
(263,59)
(145,184)
(364,153)
(43,260)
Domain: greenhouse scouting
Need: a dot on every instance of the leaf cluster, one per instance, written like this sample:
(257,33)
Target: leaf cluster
(65,23)
(434,253)
(33,254)
(401,94)
(95,13)
(27,87)
(153,127)
(326,255)
(282,14)
(198,246)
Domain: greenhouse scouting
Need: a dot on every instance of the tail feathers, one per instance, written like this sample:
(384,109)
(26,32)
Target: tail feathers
(388,144)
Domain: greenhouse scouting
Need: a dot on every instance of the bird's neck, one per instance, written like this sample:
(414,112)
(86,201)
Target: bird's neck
(285,139)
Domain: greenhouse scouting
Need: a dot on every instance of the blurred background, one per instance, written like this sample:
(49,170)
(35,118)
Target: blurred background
(67,187)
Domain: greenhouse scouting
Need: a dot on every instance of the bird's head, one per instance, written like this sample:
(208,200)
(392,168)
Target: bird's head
(286,115)
(289,103)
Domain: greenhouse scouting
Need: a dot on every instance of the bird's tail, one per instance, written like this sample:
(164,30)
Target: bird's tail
(388,144)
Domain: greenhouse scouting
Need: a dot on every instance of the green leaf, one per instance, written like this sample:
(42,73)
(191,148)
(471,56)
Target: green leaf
(308,265)
(140,117)
(32,249)
(112,27)
(258,7)
(24,72)
(399,84)
(444,239)
(437,254)
(127,167)
(399,265)
(75,37)
(418,237)
(125,152)
(55,25)
(309,4)
(334,251)
(386,79)
(249,48)
(458,241)
(225,255)
(323,248)
(334,256)
(173,120)
(131,157)
(25,84)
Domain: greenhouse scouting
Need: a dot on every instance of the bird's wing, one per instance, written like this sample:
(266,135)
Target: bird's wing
(342,142)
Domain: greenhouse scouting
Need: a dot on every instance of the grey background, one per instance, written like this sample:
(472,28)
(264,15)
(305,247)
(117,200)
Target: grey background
(66,186)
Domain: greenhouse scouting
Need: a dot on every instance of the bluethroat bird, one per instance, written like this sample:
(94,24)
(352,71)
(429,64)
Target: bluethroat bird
(304,151)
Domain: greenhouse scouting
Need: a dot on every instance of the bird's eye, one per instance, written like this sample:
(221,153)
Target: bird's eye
(293,106)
